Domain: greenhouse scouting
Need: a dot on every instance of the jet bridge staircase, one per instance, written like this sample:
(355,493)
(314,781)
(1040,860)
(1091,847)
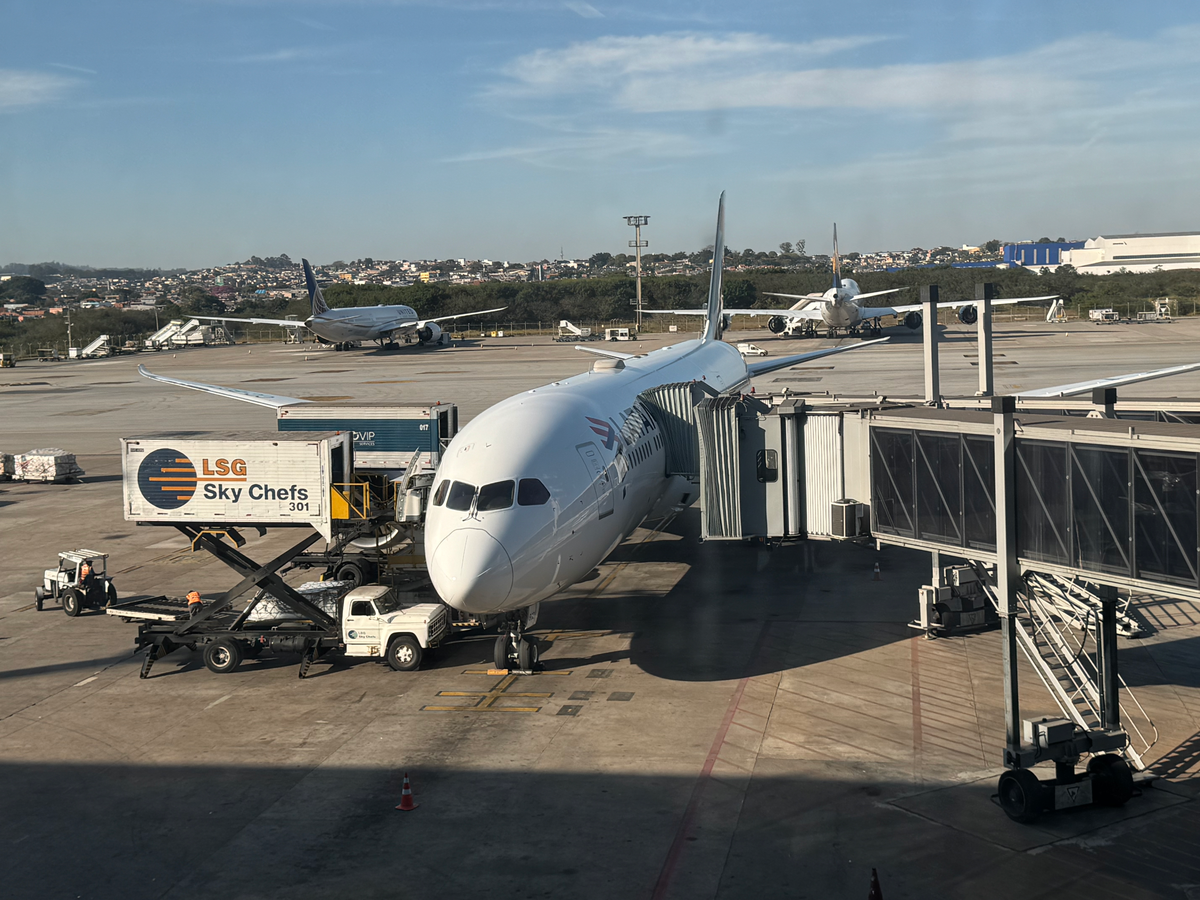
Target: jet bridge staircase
(1057,628)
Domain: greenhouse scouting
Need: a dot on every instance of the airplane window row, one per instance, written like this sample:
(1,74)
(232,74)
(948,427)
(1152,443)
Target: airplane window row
(458,495)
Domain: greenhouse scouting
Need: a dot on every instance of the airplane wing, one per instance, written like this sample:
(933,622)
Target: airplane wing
(807,313)
(611,354)
(783,362)
(953,304)
(286,323)
(1083,387)
(481,312)
(259,399)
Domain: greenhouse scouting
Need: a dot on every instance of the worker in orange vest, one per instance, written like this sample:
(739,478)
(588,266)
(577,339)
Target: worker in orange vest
(85,571)
(195,604)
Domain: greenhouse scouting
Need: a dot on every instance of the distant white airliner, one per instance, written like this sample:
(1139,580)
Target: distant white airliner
(840,308)
(351,324)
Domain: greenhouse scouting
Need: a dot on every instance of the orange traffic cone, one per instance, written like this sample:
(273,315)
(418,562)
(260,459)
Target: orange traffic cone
(406,800)
(876,891)
(877,578)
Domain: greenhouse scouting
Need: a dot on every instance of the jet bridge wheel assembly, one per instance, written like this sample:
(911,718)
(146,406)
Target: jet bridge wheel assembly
(1022,796)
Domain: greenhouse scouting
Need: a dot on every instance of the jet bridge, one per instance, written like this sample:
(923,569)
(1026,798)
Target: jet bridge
(1060,519)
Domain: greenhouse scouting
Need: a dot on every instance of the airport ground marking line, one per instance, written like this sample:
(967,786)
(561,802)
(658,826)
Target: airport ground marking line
(486,700)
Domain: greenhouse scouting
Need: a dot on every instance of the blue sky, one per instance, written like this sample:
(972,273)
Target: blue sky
(194,132)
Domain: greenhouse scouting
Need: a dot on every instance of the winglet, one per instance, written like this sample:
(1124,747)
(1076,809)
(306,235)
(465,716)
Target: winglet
(712,327)
(314,290)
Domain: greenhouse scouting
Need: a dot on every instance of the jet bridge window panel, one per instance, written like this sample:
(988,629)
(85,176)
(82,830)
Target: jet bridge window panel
(1043,508)
(1165,516)
(1099,490)
(939,487)
(979,488)
(892,489)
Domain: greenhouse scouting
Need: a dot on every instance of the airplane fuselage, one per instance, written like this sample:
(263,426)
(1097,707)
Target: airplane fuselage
(361,323)
(536,491)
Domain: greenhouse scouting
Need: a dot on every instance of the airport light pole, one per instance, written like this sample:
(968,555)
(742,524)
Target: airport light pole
(637,222)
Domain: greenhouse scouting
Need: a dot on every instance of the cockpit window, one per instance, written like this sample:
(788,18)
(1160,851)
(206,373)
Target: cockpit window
(460,496)
(497,495)
(439,496)
(531,492)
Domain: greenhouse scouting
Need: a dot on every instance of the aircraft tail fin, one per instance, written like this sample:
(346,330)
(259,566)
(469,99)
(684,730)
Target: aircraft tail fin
(314,290)
(837,261)
(712,327)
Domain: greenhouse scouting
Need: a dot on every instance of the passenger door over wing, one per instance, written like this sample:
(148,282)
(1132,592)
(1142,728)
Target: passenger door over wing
(590,454)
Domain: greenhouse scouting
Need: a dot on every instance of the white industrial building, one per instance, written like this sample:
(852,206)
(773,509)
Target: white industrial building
(1135,253)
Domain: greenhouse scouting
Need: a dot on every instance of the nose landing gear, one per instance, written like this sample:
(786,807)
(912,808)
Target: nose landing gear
(514,649)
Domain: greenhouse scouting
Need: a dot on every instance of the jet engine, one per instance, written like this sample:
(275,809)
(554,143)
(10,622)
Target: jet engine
(776,324)
(913,320)
(968,315)
(430,334)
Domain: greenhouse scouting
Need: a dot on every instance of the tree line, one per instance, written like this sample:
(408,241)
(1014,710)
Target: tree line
(609,298)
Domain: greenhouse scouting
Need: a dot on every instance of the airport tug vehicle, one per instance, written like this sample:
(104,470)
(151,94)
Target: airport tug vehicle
(75,587)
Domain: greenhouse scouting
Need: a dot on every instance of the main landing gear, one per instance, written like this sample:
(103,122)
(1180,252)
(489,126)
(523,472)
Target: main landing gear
(514,649)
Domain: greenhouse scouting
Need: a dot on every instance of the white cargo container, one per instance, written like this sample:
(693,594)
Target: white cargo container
(291,478)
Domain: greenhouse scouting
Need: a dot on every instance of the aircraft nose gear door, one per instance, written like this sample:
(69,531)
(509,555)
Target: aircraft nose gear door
(590,454)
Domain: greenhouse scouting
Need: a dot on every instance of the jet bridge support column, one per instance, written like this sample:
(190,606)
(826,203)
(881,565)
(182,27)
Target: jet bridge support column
(984,294)
(929,301)
(1106,665)
(1008,572)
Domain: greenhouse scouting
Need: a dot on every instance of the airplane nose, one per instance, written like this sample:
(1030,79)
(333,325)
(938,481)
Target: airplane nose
(471,570)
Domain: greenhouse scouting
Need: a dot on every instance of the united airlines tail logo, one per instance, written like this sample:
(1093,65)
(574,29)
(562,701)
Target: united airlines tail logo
(607,433)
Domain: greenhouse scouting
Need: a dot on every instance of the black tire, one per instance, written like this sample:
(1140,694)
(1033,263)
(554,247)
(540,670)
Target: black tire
(1021,795)
(404,653)
(1112,780)
(527,654)
(351,572)
(39,597)
(72,602)
(500,652)
(223,656)
(110,594)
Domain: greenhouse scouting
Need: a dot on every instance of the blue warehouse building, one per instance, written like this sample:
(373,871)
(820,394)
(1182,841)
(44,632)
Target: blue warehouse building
(1045,254)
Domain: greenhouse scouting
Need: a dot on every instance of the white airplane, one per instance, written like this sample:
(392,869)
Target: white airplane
(840,308)
(347,325)
(535,492)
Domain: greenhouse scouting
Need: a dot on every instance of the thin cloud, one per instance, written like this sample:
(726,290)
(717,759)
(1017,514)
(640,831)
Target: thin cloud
(283,55)
(71,68)
(23,89)
(585,10)
(689,72)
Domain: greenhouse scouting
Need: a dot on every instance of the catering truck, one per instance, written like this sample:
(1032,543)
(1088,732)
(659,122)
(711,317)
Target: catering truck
(265,479)
(372,621)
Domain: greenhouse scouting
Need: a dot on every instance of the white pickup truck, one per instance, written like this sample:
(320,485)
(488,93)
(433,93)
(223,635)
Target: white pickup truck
(376,623)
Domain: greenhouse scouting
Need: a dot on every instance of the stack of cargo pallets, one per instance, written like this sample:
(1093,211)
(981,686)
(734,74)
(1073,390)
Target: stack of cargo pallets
(47,464)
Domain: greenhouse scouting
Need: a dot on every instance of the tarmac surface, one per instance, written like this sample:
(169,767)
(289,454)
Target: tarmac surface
(714,720)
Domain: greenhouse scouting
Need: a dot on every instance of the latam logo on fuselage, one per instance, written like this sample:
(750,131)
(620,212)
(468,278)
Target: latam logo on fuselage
(168,480)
